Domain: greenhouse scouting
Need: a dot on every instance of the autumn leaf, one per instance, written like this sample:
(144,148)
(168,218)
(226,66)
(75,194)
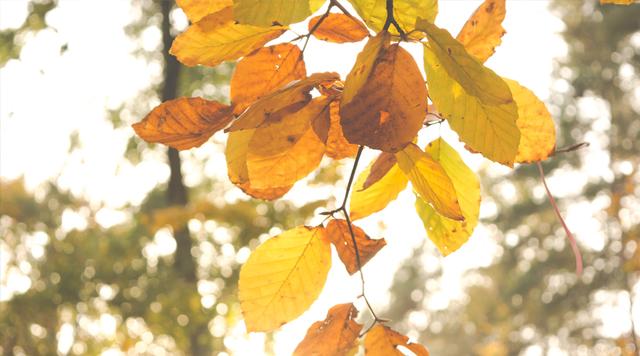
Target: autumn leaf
(337,335)
(339,234)
(430,181)
(537,129)
(617,2)
(406,12)
(197,9)
(283,277)
(217,38)
(183,123)
(448,234)
(264,71)
(365,202)
(389,108)
(337,145)
(338,28)
(379,169)
(383,341)
(483,31)
(476,102)
(273,12)
(361,70)
(273,107)
(282,153)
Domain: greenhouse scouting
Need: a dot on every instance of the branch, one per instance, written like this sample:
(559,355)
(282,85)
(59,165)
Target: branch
(324,16)
(392,21)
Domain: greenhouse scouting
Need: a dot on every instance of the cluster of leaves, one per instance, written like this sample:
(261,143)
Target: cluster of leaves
(282,121)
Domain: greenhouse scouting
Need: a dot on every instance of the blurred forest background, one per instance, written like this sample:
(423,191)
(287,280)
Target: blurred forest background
(162,279)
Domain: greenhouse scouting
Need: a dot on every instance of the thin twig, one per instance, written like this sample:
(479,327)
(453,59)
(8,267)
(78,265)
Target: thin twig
(324,16)
(571,148)
(392,21)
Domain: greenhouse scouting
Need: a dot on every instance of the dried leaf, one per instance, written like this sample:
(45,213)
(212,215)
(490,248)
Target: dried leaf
(338,28)
(337,145)
(337,335)
(283,277)
(264,71)
(267,13)
(430,180)
(197,9)
(217,38)
(383,341)
(339,235)
(483,31)
(183,123)
(406,12)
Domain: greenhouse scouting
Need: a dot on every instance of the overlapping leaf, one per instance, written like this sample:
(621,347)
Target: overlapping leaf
(283,277)
(483,31)
(389,108)
(197,9)
(361,70)
(383,341)
(337,145)
(379,169)
(339,234)
(337,335)
(447,234)
(184,123)
(264,71)
(406,12)
(267,13)
(476,102)
(338,28)
(217,38)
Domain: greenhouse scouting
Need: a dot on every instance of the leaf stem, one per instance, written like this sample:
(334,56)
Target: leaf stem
(392,21)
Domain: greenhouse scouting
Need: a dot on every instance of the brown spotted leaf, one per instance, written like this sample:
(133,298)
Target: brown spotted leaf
(339,234)
(338,28)
(483,31)
(383,341)
(336,335)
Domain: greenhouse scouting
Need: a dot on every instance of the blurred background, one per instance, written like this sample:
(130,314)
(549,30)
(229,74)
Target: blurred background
(110,245)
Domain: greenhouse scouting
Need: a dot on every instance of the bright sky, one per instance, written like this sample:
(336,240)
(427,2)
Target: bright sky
(45,96)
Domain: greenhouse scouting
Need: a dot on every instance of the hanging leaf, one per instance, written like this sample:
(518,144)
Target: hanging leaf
(447,234)
(284,152)
(380,168)
(337,335)
(217,38)
(389,108)
(476,102)
(337,145)
(383,341)
(264,71)
(406,12)
(197,9)
(183,123)
(273,12)
(338,28)
(537,129)
(483,31)
(339,234)
(376,197)
(430,180)
(283,277)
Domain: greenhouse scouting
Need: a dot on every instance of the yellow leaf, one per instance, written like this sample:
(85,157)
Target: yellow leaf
(476,102)
(365,202)
(337,145)
(406,12)
(430,180)
(617,2)
(447,234)
(337,335)
(383,341)
(361,70)
(183,123)
(390,107)
(339,234)
(264,71)
(267,13)
(283,277)
(538,132)
(284,101)
(217,38)
(338,28)
(379,169)
(483,31)
(197,9)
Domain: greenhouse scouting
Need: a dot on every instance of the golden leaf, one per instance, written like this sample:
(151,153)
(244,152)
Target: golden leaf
(448,234)
(197,9)
(267,13)
(383,341)
(617,2)
(380,168)
(264,71)
(338,28)
(217,38)
(361,70)
(406,12)
(283,277)
(337,335)
(389,108)
(430,180)
(339,235)
(183,123)
(483,31)
(337,145)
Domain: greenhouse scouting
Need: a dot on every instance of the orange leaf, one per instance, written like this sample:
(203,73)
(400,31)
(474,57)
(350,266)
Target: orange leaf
(337,146)
(379,169)
(197,9)
(335,336)
(183,123)
(383,341)
(483,31)
(264,71)
(338,28)
(389,108)
(339,235)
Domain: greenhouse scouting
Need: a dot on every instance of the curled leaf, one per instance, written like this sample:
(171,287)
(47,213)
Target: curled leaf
(339,234)
(337,335)
(383,341)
